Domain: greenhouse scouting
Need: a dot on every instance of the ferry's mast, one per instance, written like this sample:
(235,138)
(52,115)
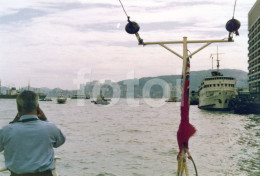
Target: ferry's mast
(217,60)
(211,56)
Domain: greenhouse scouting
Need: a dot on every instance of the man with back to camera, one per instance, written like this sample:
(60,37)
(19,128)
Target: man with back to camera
(29,139)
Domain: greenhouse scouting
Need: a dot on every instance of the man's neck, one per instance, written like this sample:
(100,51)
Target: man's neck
(29,113)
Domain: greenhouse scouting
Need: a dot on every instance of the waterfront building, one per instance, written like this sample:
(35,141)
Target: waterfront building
(108,82)
(95,82)
(254,50)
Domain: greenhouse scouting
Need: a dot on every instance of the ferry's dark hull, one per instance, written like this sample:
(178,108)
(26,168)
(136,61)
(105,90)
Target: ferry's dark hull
(41,96)
(101,102)
(214,109)
(78,98)
(8,96)
(194,102)
(46,99)
(59,101)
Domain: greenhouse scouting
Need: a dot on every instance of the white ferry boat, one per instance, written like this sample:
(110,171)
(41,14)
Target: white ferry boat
(61,99)
(216,91)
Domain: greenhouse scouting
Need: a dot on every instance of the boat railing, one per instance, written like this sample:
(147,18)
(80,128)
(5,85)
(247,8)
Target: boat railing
(54,172)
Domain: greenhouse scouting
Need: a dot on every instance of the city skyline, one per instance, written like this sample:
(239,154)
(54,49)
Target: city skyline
(50,42)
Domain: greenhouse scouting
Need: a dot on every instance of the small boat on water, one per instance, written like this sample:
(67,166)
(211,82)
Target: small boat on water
(101,100)
(173,99)
(61,99)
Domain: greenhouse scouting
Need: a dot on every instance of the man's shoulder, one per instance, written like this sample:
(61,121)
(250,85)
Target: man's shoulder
(48,124)
(6,127)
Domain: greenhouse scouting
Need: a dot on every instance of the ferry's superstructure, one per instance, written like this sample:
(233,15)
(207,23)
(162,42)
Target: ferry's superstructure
(216,91)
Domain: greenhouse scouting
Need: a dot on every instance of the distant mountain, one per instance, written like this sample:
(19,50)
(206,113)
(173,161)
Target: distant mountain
(174,80)
(56,91)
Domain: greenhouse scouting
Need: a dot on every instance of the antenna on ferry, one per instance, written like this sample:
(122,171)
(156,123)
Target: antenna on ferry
(217,60)
(211,56)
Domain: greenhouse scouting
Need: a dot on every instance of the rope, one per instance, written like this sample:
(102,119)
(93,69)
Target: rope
(190,157)
(124,9)
(234,8)
(194,166)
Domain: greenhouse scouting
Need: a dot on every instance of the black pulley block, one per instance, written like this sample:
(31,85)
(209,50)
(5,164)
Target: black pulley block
(132,27)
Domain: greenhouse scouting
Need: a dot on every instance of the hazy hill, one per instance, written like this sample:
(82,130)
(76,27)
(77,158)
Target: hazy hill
(196,78)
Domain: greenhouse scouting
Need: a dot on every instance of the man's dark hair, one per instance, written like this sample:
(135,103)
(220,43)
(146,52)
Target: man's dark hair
(28,101)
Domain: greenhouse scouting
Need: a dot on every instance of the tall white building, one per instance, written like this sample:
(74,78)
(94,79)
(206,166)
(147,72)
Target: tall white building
(254,50)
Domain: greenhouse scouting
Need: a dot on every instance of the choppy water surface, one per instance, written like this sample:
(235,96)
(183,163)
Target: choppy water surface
(122,140)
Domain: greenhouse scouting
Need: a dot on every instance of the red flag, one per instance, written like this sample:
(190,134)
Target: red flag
(186,130)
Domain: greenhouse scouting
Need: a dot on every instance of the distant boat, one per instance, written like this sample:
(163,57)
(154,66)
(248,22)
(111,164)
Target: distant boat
(13,93)
(46,99)
(173,99)
(10,94)
(41,95)
(194,98)
(101,100)
(80,96)
(61,99)
(87,96)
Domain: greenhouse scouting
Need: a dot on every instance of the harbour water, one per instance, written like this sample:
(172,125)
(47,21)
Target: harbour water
(122,140)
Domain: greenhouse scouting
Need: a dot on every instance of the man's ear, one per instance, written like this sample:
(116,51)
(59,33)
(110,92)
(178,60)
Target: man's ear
(38,109)
(19,108)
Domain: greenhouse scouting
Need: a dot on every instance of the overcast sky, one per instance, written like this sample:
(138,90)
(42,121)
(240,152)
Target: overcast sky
(50,42)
